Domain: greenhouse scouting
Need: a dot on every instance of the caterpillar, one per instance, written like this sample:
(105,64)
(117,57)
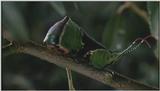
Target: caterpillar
(73,40)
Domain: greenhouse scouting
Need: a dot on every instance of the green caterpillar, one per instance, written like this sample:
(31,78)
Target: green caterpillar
(100,58)
(73,40)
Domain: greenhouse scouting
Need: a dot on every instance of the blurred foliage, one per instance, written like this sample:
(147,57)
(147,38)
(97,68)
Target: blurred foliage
(59,7)
(31,21)
(153,9)
(154,13)
(114,28)
(15,21)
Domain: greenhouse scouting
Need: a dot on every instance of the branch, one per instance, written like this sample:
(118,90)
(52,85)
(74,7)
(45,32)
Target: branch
(107,77)
(135,9)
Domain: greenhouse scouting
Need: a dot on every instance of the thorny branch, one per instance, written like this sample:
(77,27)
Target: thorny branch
(106,76)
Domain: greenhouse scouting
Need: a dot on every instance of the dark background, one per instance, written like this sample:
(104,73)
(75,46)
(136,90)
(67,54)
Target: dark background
(31,20)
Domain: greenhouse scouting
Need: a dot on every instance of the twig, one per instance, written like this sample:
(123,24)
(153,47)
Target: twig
(134,8)
(7,45)
(70,81)
(107,77)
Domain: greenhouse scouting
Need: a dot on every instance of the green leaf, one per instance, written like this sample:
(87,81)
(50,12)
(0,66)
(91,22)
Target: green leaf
(59,7)
(14,22)
(113,35)
(154,12)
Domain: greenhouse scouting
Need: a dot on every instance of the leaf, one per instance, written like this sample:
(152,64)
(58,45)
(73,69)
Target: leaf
(114,33)
(154,13)
(59,7)
(14,22)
